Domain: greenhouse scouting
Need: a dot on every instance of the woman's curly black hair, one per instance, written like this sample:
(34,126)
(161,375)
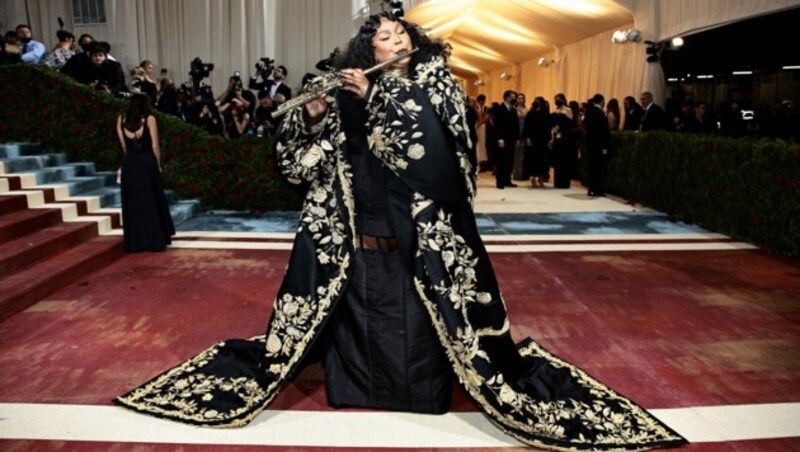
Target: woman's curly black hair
(360,51)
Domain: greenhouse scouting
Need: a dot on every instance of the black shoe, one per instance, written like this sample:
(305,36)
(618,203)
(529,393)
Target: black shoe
(500,186)
(511,185)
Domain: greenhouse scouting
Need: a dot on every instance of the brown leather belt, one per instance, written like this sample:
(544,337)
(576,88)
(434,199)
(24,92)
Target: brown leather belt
(370,242)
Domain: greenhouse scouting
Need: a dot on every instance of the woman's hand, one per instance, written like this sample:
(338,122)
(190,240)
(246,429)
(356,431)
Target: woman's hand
(355,81)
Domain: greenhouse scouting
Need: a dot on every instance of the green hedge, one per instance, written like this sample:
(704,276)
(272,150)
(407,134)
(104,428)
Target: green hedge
(40,105)
(744,187)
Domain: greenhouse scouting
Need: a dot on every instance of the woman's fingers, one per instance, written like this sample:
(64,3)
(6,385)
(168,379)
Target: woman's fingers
(355,81)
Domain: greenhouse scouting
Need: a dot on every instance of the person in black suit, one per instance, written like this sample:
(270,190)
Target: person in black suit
(598,141)
(472,121)
(93,68)
(277,85)
(633,114)
(506,134)
(654,117)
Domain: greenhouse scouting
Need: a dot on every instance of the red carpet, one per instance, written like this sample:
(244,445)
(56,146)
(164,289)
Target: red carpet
(668,329)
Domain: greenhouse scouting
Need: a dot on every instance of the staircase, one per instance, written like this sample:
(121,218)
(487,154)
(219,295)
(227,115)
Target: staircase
(58,222)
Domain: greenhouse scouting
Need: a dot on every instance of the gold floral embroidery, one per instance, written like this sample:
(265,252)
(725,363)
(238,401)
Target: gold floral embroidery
(612,419)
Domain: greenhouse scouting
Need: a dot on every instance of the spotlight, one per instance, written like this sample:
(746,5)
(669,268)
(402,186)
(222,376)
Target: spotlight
(506,76)
(544,62)
(618,37)
(633,35)
(624,36)
(479,82)
(677,42)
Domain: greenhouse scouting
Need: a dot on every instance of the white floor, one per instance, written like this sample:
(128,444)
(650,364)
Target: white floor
(375,429)
(524,199)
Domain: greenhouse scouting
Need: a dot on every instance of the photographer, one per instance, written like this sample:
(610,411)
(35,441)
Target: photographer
(210,119)
(261,81)
(236,91)
(263,122)
(236,118)
(95,70)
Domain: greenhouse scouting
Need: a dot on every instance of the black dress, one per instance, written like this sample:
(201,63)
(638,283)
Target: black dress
(379,348)
(146,221)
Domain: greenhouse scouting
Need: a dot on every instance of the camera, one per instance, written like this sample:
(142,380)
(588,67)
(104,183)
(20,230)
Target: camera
(236,78)
(265,66)
(199,70)
(136,83)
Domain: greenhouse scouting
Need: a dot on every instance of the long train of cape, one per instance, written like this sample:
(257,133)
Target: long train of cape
(419,132)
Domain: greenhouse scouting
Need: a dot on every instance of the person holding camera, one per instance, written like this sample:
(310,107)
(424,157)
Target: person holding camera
(263,122)
(236,91)
(210,119)
(236,106)
(236,118)
(260,81)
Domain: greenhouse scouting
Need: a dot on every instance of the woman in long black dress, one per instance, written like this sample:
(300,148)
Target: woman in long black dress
(401,298)
(146,220)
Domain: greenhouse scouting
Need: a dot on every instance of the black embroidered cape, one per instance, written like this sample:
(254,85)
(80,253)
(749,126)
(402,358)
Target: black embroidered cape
(418,130)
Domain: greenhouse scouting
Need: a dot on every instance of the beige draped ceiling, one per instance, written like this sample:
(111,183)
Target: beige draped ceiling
(489,37)
(498,43)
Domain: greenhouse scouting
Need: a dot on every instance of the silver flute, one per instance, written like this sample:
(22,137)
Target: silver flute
(328,82)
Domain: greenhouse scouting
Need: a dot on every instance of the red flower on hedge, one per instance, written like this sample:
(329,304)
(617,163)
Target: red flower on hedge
(45,112)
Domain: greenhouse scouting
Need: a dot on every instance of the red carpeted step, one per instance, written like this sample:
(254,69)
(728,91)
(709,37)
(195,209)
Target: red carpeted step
(17,224)
(19,202)
(14,182)
(83,210)
(26,287)
(12,203)
(41,244)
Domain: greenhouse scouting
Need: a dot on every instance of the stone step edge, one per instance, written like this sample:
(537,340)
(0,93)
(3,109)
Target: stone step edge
(57,197)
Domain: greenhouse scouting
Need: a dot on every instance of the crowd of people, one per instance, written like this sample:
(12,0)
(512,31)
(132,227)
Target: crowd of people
(525,142)
(245,109)
(240,110)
